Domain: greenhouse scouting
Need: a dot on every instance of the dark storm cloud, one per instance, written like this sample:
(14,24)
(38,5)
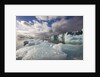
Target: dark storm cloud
(73,24)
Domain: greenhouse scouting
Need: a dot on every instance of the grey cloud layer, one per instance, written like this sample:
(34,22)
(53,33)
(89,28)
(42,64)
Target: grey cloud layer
(74,24)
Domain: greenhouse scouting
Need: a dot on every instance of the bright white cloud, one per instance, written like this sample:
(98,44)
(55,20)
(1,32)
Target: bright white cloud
(42,17)
(37,30)
(46,17)
(23,25)
(52,17)
(41,27)
(36,27)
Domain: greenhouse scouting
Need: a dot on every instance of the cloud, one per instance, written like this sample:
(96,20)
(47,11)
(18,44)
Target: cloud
(41,27)
(42,30)
(38,30)
(42,17)
(46,17)
(23,25)
(73,24)
(29,26)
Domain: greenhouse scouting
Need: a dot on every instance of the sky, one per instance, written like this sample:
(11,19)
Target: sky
(49,25)
(31,18)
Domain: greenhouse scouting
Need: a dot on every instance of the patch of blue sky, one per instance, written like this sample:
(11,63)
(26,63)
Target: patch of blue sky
(25,18)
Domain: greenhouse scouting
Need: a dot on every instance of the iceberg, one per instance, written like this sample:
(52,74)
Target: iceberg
(43,51)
